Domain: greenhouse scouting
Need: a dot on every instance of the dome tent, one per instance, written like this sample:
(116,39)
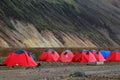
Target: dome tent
(84,56)
(99,57)
(66,56)
(105,53)
(114,56)
(78,56)
(49,55)
(19,58)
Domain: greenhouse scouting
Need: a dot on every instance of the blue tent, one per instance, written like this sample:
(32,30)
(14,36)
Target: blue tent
(105,53)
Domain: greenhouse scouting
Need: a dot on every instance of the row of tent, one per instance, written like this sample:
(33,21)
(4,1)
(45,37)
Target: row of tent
(25,58)
(51,55)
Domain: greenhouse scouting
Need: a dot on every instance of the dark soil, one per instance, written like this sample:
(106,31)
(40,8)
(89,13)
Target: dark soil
(62,71)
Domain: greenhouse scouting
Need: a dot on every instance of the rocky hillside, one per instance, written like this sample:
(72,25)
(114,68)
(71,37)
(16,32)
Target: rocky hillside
(59,23)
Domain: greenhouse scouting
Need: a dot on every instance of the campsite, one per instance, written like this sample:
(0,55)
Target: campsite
(61,69)
(59,40)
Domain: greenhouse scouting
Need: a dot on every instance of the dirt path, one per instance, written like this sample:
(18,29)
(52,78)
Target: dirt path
(106,72)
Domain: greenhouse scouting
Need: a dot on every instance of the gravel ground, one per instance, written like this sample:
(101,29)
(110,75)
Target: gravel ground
(61,71)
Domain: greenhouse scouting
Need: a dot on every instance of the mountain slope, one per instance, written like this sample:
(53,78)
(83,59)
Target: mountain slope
(59,23)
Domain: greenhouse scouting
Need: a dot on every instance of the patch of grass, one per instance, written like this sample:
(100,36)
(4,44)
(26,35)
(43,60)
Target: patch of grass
(5,19)
(54,1)
(72,2)
(35,11)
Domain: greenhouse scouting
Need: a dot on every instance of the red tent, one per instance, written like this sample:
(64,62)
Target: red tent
(66,56)
(49,55)
(77,57)
(84,56)
(19,58)
(114,56)
(99,57)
